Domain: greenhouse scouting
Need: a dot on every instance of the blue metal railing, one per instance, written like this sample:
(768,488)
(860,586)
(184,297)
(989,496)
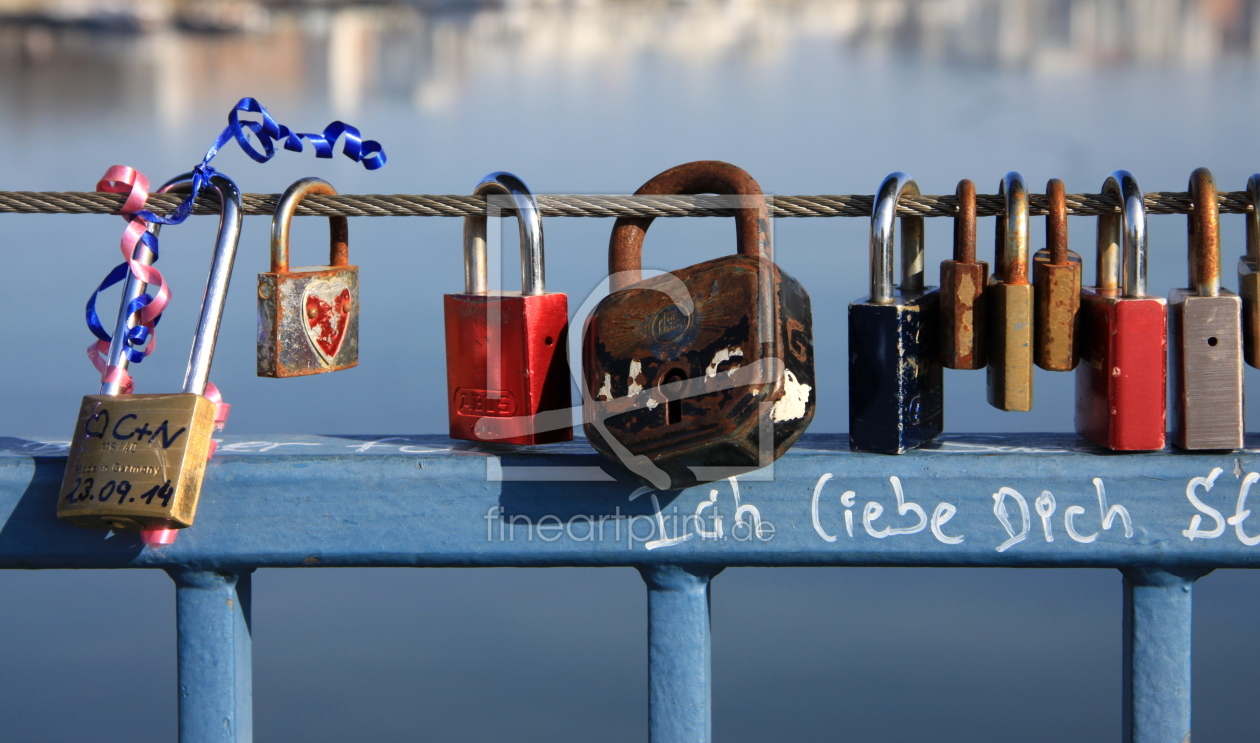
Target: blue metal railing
(1164,519)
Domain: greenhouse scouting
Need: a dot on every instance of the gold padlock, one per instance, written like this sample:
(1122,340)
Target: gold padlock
(1010,300)
(1057,282)
(137,461)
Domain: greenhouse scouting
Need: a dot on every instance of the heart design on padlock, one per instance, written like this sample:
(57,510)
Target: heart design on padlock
(327,305)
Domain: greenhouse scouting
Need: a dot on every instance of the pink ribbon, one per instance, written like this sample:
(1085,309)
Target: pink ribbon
(122,179)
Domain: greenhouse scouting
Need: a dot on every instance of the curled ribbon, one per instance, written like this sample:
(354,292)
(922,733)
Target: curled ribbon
(147,308)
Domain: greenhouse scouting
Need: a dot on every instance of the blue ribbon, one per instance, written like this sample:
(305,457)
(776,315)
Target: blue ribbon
(267,132)
(136,336)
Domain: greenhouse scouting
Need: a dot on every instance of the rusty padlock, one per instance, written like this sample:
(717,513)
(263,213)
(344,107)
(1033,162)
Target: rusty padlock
(308,318)
(1057,289)
(705,372)
(137,461)
(1205,336)
(896,383)
(964,313)
(1010,300)
(507,370)
(1249,277)
(1121,382)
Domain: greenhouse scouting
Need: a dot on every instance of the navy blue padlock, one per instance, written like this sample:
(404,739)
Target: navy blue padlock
(896,382)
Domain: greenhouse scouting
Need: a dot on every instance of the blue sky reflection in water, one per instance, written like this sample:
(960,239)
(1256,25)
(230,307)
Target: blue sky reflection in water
(810,97)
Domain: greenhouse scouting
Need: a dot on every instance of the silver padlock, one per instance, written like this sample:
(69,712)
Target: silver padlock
(1205,336)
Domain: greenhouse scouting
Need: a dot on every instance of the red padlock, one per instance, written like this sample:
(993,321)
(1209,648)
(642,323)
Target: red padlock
(507,370)
(1122,380)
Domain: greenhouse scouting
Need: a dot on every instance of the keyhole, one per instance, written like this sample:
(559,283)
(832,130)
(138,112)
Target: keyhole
(673,408)
(1212,341)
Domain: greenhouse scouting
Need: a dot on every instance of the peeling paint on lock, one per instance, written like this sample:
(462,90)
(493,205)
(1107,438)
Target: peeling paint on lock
(308,318)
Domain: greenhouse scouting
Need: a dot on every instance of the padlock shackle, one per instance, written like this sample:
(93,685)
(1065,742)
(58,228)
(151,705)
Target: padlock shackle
(132,289)
(230,214)
(965,222)
(1056,222)
(529,221)
(1253,220)
(1011,249)
(883,226)
(1203,226)
(752,218)
(1122,238)
(286,207)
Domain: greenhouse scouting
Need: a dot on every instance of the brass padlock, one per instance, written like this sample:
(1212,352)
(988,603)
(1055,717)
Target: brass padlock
(1249,277)
(705,372)
(1010,300)
(1057,289)
(963,283)
(308,318)
(136,461)
(1205,336)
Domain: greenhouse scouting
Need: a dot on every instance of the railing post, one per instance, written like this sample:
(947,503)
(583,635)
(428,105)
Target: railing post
(680,691)
(1157,609)
(215,663)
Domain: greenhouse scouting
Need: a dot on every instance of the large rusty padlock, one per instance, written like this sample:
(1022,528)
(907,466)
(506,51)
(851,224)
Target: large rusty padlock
(1010,300)
(308,318)
(896,384)
(507,365)
(137,461)
(1121,382)
(964,314)
(1057,289)
(1205,337)
(705,372)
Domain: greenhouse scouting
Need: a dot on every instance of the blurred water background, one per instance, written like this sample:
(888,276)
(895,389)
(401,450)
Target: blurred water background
(810,96)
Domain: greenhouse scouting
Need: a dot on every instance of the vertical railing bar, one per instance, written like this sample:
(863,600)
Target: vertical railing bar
(215,656)
(1157,613)
(680,673)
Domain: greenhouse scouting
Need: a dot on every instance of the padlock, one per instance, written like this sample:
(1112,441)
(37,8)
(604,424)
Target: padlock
(896,382)
(1010,300)
(1205,336)
(1121,382)
(137,461)
(1249,277)
(1057,289)
(506,352)
(963,282)
(705,372)
(308,318)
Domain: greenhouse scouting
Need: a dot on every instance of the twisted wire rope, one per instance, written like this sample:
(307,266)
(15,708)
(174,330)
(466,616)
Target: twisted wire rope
(426,205)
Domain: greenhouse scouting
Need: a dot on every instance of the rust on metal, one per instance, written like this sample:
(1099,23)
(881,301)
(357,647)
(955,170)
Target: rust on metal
(752,220)
(1057,278)
(693,390)
(308,320)
(1205,236)
(963,281)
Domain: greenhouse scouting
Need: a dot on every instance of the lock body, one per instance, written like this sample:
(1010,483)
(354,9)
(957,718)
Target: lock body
(896,381)
(1206,369)
(308,321)
(642,349)
(1121,382)
(964,314)
(506,364)
(1056,315)
(137,461)
(1249,288)
(1010,370)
